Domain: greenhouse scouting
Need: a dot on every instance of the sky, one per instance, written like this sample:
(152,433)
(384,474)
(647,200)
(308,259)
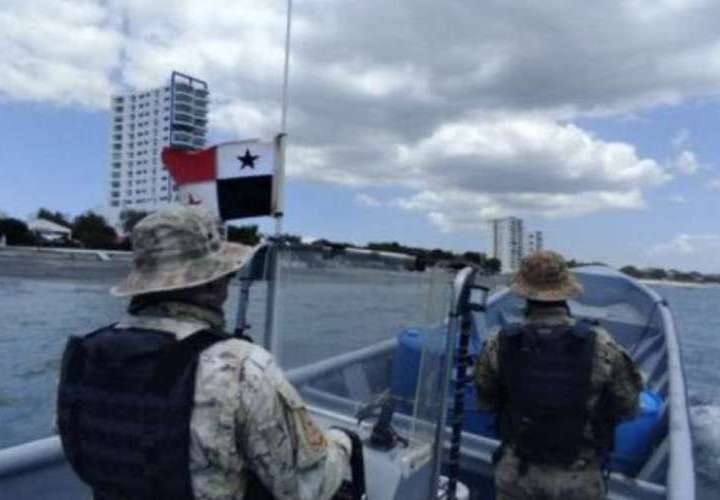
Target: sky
(411,121)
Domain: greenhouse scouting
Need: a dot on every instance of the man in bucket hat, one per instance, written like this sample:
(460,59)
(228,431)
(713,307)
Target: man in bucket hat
(559,386)
(164,405)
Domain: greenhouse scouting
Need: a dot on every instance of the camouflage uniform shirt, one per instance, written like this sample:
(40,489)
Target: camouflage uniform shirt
(612,367)
(248,416)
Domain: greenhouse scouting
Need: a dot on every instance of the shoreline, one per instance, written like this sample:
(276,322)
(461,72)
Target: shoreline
(64,264)
(678,284)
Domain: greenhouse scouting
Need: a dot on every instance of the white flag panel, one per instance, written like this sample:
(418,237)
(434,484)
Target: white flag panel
(201,194)
(247,158)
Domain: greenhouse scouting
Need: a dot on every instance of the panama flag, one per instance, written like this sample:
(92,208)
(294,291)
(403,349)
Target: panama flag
(231,180)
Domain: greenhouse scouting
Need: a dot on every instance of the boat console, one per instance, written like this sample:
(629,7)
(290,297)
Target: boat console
(343,365)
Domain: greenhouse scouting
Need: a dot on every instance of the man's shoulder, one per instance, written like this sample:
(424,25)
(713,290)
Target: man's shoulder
(238,352)
(492,342)
(605,343)
(236,366)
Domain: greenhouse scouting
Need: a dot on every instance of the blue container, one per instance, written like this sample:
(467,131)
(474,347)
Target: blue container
(634,438)
(476,420)
(406,366)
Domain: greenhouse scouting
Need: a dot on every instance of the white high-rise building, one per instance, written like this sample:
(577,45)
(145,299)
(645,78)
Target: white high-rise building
(534,242)
(508,242)
(142,124)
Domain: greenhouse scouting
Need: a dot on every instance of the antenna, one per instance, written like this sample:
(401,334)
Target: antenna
(280,171)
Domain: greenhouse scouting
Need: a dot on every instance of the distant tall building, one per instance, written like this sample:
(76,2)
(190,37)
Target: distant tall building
(534,242)
(508,242)
(142,124)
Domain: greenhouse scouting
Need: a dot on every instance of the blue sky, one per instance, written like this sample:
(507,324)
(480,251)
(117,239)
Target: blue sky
(602,134)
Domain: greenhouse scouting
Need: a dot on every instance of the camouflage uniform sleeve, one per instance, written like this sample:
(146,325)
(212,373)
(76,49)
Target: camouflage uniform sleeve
(293,458)
(487,377)
(625,382)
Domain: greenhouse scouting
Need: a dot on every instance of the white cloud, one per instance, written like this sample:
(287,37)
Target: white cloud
(492,57)
(367,200)
(471,103)
(471,171)
(526,154)
(688,244)
(714,184)
(680,139)
(307,239)
(454,210)
(677,199)
(699,252)
(686,163)
(58,51)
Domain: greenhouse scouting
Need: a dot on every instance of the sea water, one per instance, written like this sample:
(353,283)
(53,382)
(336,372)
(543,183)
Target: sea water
(36,317)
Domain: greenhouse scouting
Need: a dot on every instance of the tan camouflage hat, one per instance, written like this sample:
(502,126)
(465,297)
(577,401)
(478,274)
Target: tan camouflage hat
(544,277)
(179,247)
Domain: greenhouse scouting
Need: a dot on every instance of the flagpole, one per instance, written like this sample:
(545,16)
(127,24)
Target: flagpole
(280,174)
(270,341)
(283,123)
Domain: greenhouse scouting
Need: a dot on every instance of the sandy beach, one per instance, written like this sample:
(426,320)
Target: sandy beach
(681,284)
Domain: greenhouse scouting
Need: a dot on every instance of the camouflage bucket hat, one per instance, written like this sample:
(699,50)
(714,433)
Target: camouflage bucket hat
(545,277)
(179,247)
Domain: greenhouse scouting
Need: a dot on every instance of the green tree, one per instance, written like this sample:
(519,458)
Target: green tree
(632,271)
(493,265)
(392,246)
(16,232)
(56,217)
(476,258)
(247,235)
(93,231)
(129,218)
(656,273)
(437,254)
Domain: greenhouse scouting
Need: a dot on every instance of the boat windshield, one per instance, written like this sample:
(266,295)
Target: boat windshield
(358,329)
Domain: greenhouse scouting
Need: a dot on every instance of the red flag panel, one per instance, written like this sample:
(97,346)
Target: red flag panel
(190,166)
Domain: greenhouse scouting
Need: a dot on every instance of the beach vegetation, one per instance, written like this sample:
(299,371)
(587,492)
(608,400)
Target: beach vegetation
(93,231)
(246,235)
(16,232)
(129,218)
(56,217)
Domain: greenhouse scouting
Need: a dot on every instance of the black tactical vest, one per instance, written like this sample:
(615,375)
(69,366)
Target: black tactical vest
(545,373)
(124,406)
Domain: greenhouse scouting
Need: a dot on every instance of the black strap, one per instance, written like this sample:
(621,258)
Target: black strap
(255,489)
(178,356)
(357,465)
(354,489)
(175,360)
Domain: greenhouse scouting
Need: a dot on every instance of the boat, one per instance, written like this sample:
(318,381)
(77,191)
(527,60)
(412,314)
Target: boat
(345,363)
(653,453)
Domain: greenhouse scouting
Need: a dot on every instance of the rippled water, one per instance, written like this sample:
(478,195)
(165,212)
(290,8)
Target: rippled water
(37,316)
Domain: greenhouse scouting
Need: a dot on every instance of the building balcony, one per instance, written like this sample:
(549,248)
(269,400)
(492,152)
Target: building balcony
(198,142)
(183,118)
(183,97)
(183,108)
(181,138)
(183,87)
(181,127)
